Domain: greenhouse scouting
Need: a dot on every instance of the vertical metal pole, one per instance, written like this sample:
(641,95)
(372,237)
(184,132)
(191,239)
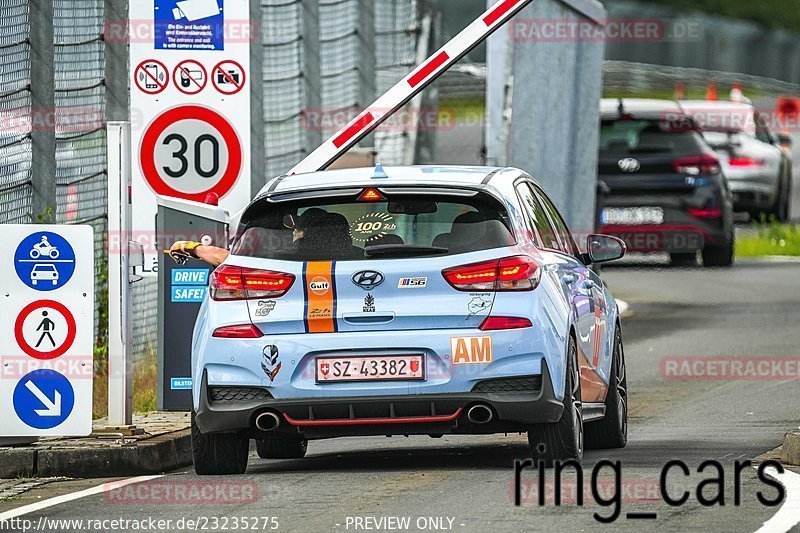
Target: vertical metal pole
(497,86)
(257,164)
(43,134)
(120,305)
(366,59)
(312,78)
(116,78)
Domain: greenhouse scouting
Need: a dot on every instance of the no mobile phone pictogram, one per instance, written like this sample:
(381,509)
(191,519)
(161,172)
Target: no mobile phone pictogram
(190,77)
(151,77)
(228,77)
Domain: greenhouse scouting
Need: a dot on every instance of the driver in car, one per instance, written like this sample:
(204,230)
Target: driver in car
(182,251)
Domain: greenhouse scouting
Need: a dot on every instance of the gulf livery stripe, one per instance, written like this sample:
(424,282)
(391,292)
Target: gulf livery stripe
(320,294)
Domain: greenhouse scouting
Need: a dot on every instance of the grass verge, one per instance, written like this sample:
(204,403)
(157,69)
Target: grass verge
(771,238)
(145,376)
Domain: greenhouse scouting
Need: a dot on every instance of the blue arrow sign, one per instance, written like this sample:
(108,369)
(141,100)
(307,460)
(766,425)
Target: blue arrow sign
(44,261)
(44,399)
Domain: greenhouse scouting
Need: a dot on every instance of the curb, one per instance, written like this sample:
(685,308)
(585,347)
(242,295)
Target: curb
(153,456)
(790,454)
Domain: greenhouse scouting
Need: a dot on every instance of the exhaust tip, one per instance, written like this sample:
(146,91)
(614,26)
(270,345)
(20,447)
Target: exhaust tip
(480,414)
(267,421)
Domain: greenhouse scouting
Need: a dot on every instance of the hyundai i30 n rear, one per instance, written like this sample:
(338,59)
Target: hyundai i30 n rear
(435,300)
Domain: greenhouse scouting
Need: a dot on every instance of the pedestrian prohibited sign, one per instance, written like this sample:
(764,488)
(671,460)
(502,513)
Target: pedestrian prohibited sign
(44,261)
(46,330)
(189,152)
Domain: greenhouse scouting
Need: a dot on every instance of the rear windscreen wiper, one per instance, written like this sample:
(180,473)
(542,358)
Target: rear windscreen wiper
(402,249)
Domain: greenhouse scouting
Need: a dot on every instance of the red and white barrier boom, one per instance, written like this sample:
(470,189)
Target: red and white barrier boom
(410,86)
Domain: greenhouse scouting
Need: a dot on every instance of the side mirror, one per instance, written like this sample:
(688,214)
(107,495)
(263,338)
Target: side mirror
(784,139)
(602,248)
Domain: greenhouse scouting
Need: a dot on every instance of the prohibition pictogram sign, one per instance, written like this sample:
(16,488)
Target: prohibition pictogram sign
(45,329)
(190,77)
(151,76)
(228,77)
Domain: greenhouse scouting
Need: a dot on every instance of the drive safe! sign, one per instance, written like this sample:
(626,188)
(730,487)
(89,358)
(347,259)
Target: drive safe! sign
(190,107)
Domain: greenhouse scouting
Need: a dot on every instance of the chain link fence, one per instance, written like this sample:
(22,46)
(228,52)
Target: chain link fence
(16,194)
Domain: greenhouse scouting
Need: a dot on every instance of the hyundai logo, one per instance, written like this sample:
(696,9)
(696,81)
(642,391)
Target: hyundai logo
(629,164)
(368,279)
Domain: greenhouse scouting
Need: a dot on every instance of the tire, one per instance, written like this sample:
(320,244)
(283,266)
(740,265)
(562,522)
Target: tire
(562,440)
(780,209)
(282,448)
(683,259)
(218,454)
(612,430)
(718,256)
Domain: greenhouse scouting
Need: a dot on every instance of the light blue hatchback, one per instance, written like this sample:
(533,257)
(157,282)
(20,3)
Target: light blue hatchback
(410,300)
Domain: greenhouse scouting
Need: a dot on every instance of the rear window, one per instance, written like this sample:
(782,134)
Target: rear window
(396,227)
(620,138)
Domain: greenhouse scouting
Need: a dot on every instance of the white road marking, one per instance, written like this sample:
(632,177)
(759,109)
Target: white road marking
(66,498)
(789,514)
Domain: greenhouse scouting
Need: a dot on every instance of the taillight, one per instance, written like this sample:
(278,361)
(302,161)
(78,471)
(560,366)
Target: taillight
(238,283)
(697,165)
(495,323)
(519,273)
(243,331)
(744,162)
(712,212)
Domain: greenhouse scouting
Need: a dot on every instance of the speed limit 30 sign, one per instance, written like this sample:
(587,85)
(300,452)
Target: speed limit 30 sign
(190,151)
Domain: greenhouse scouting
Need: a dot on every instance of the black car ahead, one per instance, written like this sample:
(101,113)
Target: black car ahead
(662,185)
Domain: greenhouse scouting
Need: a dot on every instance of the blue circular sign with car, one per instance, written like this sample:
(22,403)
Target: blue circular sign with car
(44,261)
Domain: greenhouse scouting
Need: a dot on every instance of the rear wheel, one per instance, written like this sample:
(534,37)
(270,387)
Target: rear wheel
(612,430)
(218,454)
(780,209)
(282,448)
(562,440)
(718,256)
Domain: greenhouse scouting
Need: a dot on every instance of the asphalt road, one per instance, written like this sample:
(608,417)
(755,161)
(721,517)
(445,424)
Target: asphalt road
(749,310)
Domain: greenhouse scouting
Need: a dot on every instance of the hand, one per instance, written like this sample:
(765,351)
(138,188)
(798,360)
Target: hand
(182,251)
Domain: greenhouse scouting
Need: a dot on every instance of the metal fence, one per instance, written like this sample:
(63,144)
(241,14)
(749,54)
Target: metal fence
(16,195)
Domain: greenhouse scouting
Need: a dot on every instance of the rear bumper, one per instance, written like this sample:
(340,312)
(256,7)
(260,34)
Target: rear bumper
(666,238)
(749,195)
(426,414)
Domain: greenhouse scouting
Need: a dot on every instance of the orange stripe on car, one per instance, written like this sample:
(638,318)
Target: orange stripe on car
(320,291)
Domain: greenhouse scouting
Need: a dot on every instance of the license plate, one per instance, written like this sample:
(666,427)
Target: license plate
(632,216)
(370,368)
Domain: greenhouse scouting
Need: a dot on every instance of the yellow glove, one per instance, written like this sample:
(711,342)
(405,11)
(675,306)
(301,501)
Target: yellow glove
(182,251)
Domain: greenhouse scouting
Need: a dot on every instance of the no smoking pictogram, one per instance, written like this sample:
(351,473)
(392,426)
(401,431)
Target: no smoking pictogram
(190,77)
(228,77)
(151,76)
(45,329)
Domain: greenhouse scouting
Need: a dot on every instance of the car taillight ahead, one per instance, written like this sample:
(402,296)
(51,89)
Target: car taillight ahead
(239,283)
(518,273)
(697,165)
(711,212)
(745,162)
